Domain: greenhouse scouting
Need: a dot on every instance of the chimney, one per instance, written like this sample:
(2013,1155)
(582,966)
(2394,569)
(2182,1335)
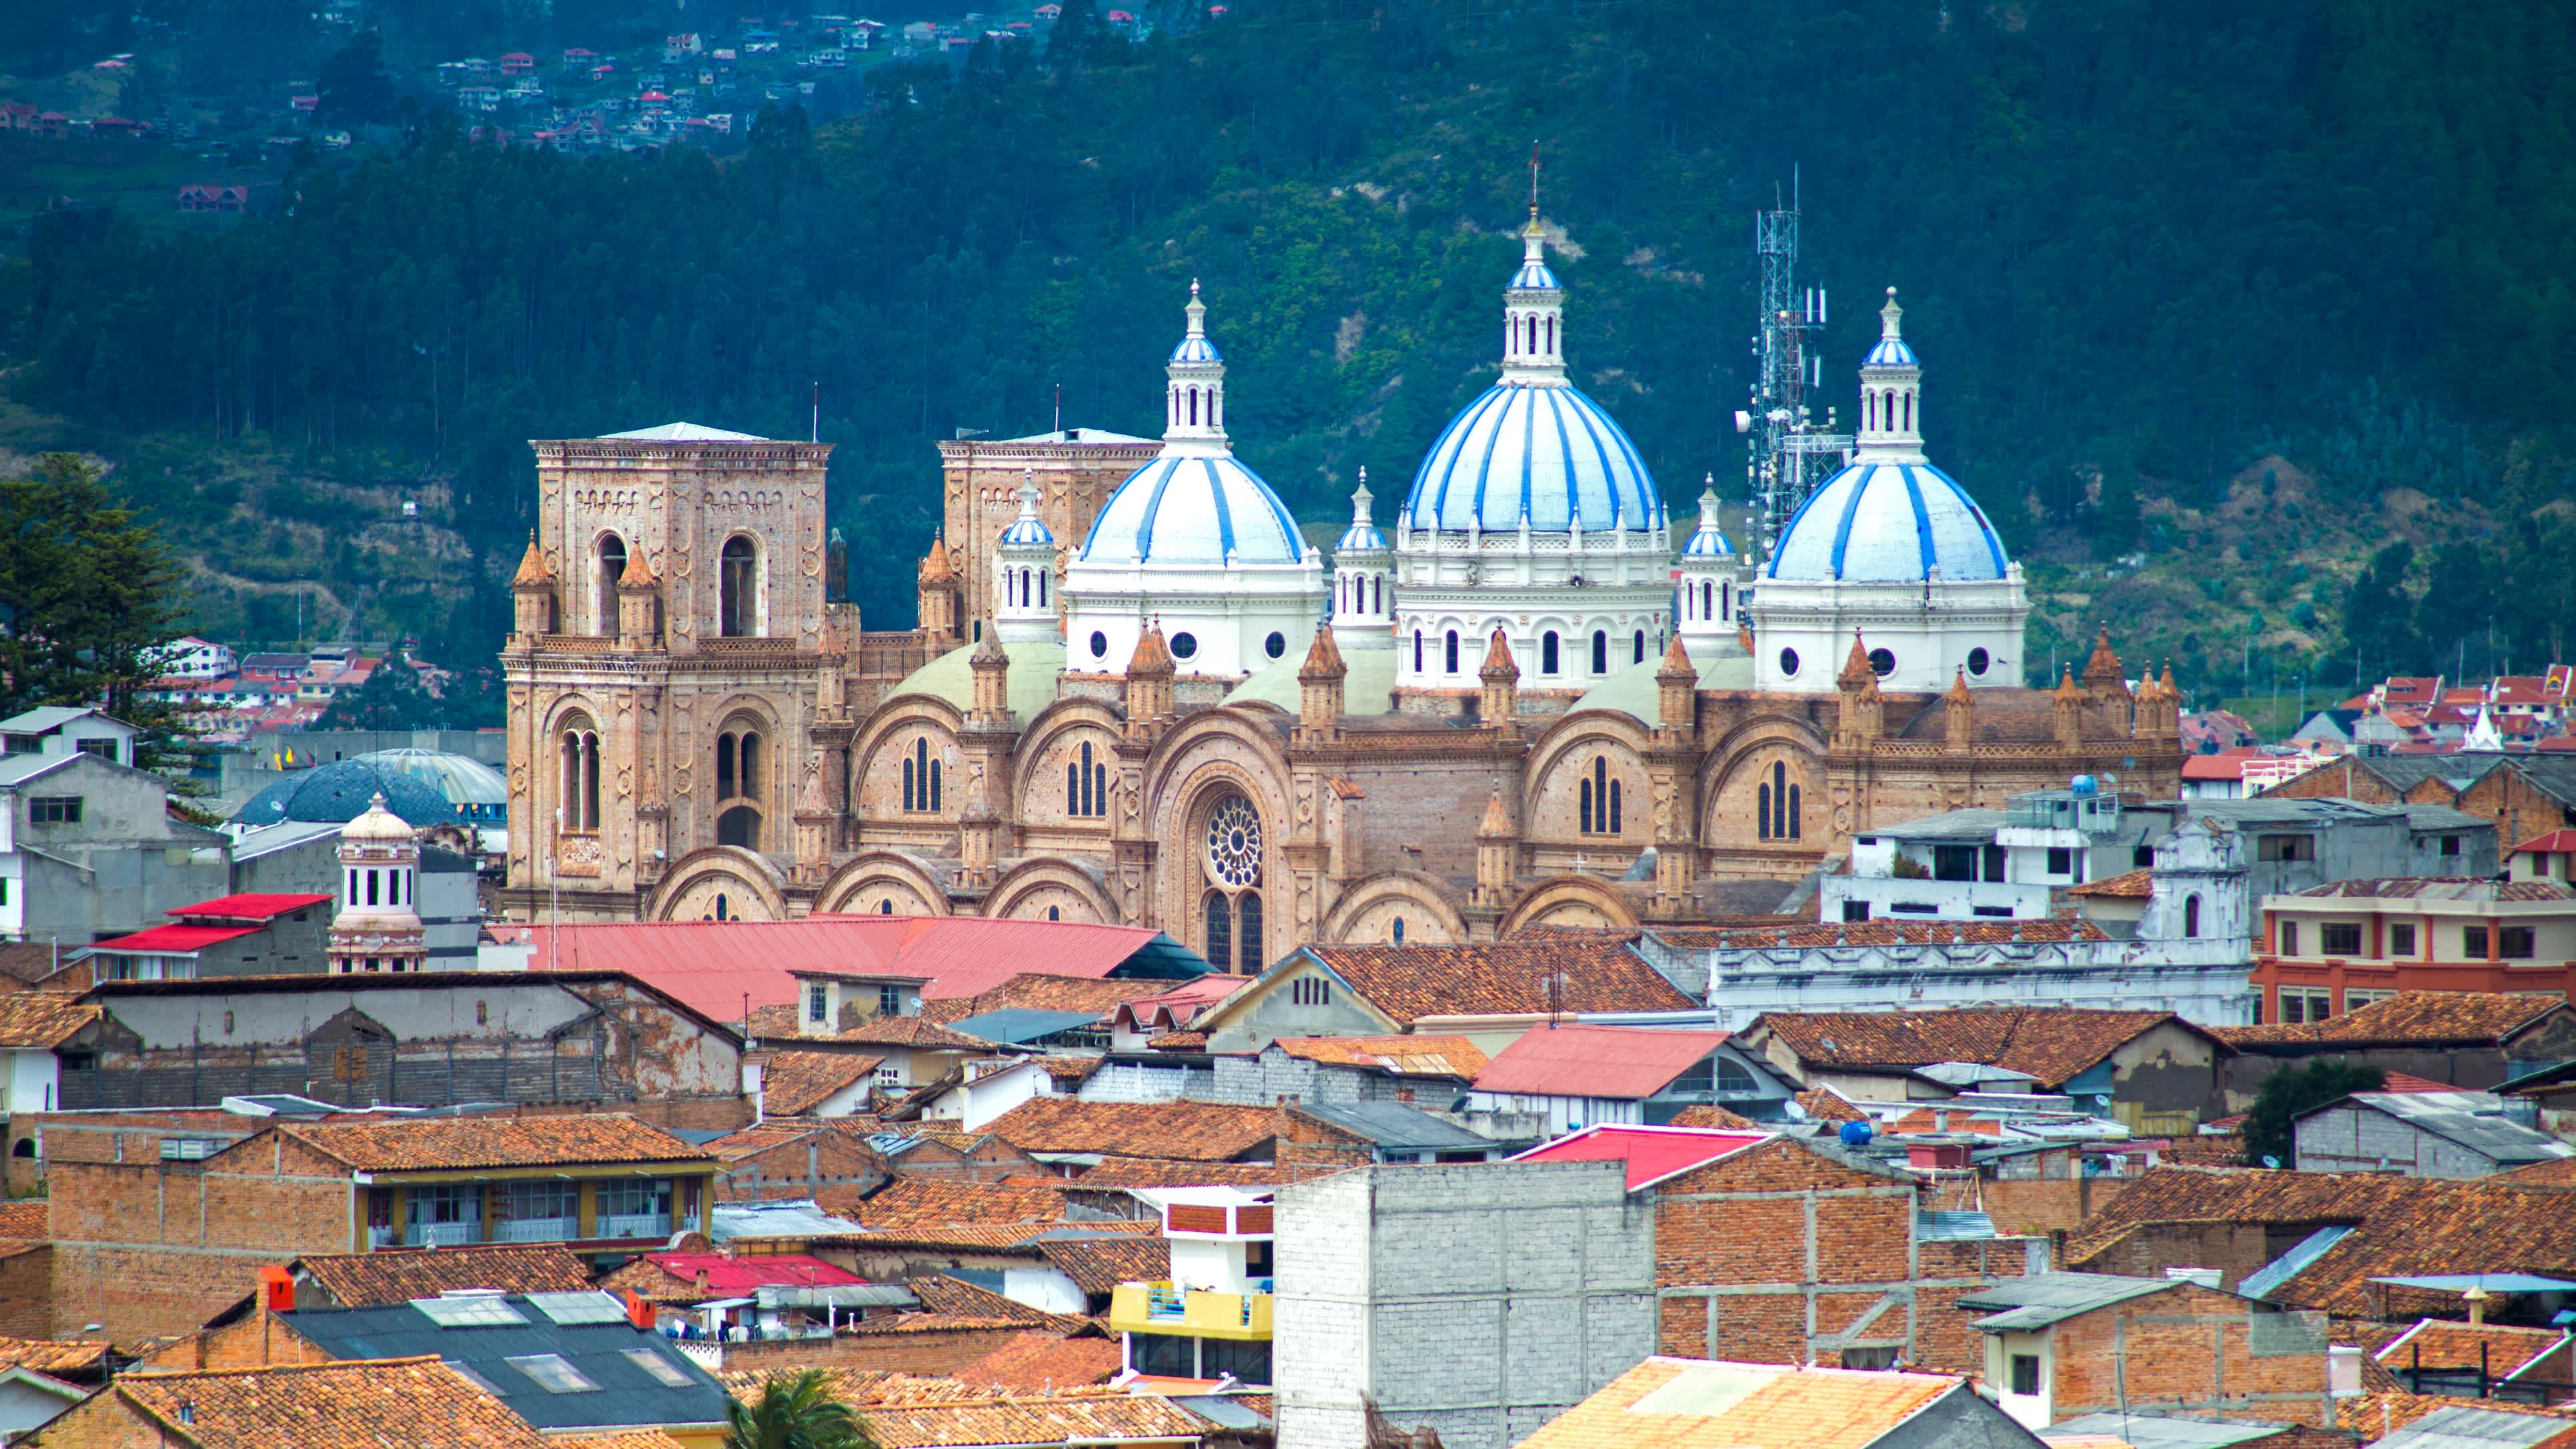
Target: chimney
(277,1289)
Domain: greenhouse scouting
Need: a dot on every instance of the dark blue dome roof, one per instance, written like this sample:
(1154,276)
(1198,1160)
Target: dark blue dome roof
(338,793)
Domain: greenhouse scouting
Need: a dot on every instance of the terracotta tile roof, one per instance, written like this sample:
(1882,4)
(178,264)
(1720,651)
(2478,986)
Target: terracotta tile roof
(1788,1408)
(2474,1227)
(1037,992)
(1036,1420)
(958,1298)
(2242,1195)
(43,1019)
(793,1083)
(1185,1131)
(1160,1172)
(622,1438)
(2439,887)
(1825,1106)
(1878,933)
(899,1323)
(734,1146)
(1444,1056)
(435,1143)
(2128,885)
(1711,1115)
(52,1355)
(1039,1363)
(398,1275)
(2050,1043)
(2376,1416)
(1503,978)
(917,1201)
(1179,1041)
(1097,1265)
(2555,1172)
(26,1220)
(2410,1018)
(2501,1349)
(1069,1070)
(910,1031)
(402,1403)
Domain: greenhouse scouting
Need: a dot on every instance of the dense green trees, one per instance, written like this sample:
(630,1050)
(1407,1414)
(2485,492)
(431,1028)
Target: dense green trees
(2140,244)
(2270,1139)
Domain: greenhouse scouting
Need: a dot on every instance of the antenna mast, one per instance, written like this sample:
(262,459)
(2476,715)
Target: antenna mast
(1787,455)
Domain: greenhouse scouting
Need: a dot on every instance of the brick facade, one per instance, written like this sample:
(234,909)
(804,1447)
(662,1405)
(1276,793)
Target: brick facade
(1784,1253)
(2192,1352)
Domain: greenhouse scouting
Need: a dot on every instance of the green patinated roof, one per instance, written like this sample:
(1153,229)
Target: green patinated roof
(1368,683)
(1034,667)
(1634,690)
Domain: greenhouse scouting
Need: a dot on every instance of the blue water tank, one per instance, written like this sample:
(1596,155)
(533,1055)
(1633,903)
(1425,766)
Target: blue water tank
(1855,1134)
(2084,785)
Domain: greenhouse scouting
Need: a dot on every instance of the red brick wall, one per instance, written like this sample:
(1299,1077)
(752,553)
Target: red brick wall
(2235,1249)
(150,1248)
(1774,1254)
(2184,1350)
(789,1170)
(26,1293)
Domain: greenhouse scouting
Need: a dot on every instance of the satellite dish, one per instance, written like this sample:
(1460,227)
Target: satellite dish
(2270,1161)
(1743,421)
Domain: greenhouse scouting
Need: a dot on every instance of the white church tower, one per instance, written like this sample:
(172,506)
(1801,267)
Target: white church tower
(378,926)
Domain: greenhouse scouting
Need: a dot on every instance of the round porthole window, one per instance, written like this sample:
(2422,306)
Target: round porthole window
(1275,645)
(1977,662)
(1099,645)
(1881,663)
(1789,662)
(1184,645)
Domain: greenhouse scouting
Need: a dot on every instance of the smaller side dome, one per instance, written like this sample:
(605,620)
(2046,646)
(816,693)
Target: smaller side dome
(377,823)
(1028,528)
(1708,541)
(1194,344)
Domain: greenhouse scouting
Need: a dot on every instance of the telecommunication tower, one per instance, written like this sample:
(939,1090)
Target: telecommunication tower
(1787,455)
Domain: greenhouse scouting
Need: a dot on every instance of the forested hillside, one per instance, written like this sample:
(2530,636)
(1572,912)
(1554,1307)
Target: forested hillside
(2249,288)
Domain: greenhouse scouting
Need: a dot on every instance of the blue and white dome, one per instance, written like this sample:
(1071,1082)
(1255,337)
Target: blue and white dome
(1362,534)
(1534,276)
(1194,508)
(1539,451)
(1890,352)
(1196,349)
(1881,522)
(1708,540)
(1028,528)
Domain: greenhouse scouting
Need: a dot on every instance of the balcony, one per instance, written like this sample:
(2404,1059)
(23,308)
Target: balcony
(536,1230)
(442,1235)
(1171,1308)
(635,1225)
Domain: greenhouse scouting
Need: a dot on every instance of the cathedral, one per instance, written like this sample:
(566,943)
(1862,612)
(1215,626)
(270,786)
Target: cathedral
(1140,693)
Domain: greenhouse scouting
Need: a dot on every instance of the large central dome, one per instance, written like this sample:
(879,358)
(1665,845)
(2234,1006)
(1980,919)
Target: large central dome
(1535,450)
(1889,523)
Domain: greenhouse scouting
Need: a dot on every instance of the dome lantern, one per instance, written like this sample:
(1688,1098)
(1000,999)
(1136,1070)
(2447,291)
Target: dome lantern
(1194,396)
(1891,394)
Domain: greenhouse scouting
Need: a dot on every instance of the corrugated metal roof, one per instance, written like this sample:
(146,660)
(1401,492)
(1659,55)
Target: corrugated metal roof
(794,1218)
(1393,1125)
(1596,1061)
(2474,1120)
(2466,1426)
(1652,1153)
(2261,1282)
(2041,1299)
(2155,1431)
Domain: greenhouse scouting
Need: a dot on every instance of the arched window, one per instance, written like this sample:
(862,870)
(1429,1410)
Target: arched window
(1641,648)
(720,906)
(371,886)
(1055,913)
(726,788)
(1909,412)
(750,766)
(1583,810)
(1725,604)
(1449,654)
(1086,786)
(612,567)
(885,907)
(2191,916)
(1600,651)
(1417,651)
(579,802)
(1597,807)
(1194,406)
(1551,334)
(739,826)
(1547,652)
(1762,811)
(1220,931)
(1377,594)
(1399,930)
(738,587)
(1042,586)
(909,784)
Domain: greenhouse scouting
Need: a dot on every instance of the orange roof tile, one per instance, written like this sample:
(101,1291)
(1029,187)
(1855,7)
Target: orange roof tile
(1040,1363)
(1035,991)
(428,1144)
(402,1403)
(1711,1115)
(52,1355)
(910,1031)
(917,1201)
(1036,1420)
(1825,1106)
(1160,1172)
(2128,885)
(26,1220)
(1517,977)
(2410,1018)
(1186,1131)
(958,1298)
(1445,1056)
(793,1083)
(1097,1265)
(2052,1044)
(43,1018)
(1658,1405)
(399,1275)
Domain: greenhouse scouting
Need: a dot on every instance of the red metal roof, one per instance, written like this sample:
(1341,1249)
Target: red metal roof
(2555,842)
(2228,766)
(173,940)
(250,907)
(1596,1061)
(741,1275)
(1652,1153)
(714,967)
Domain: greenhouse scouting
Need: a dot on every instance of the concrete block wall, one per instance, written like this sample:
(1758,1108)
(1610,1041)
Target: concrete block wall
(1478,1300)
(2193,1353)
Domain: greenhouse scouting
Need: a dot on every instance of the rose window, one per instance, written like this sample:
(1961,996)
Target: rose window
(1234,843)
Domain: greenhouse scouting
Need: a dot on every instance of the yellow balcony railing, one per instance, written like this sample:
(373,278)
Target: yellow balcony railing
(1167,1307)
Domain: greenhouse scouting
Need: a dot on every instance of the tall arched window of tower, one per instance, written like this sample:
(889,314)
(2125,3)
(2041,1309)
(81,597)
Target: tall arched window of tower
(1600,651)
(612,567)
(577,797)
(738,587)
